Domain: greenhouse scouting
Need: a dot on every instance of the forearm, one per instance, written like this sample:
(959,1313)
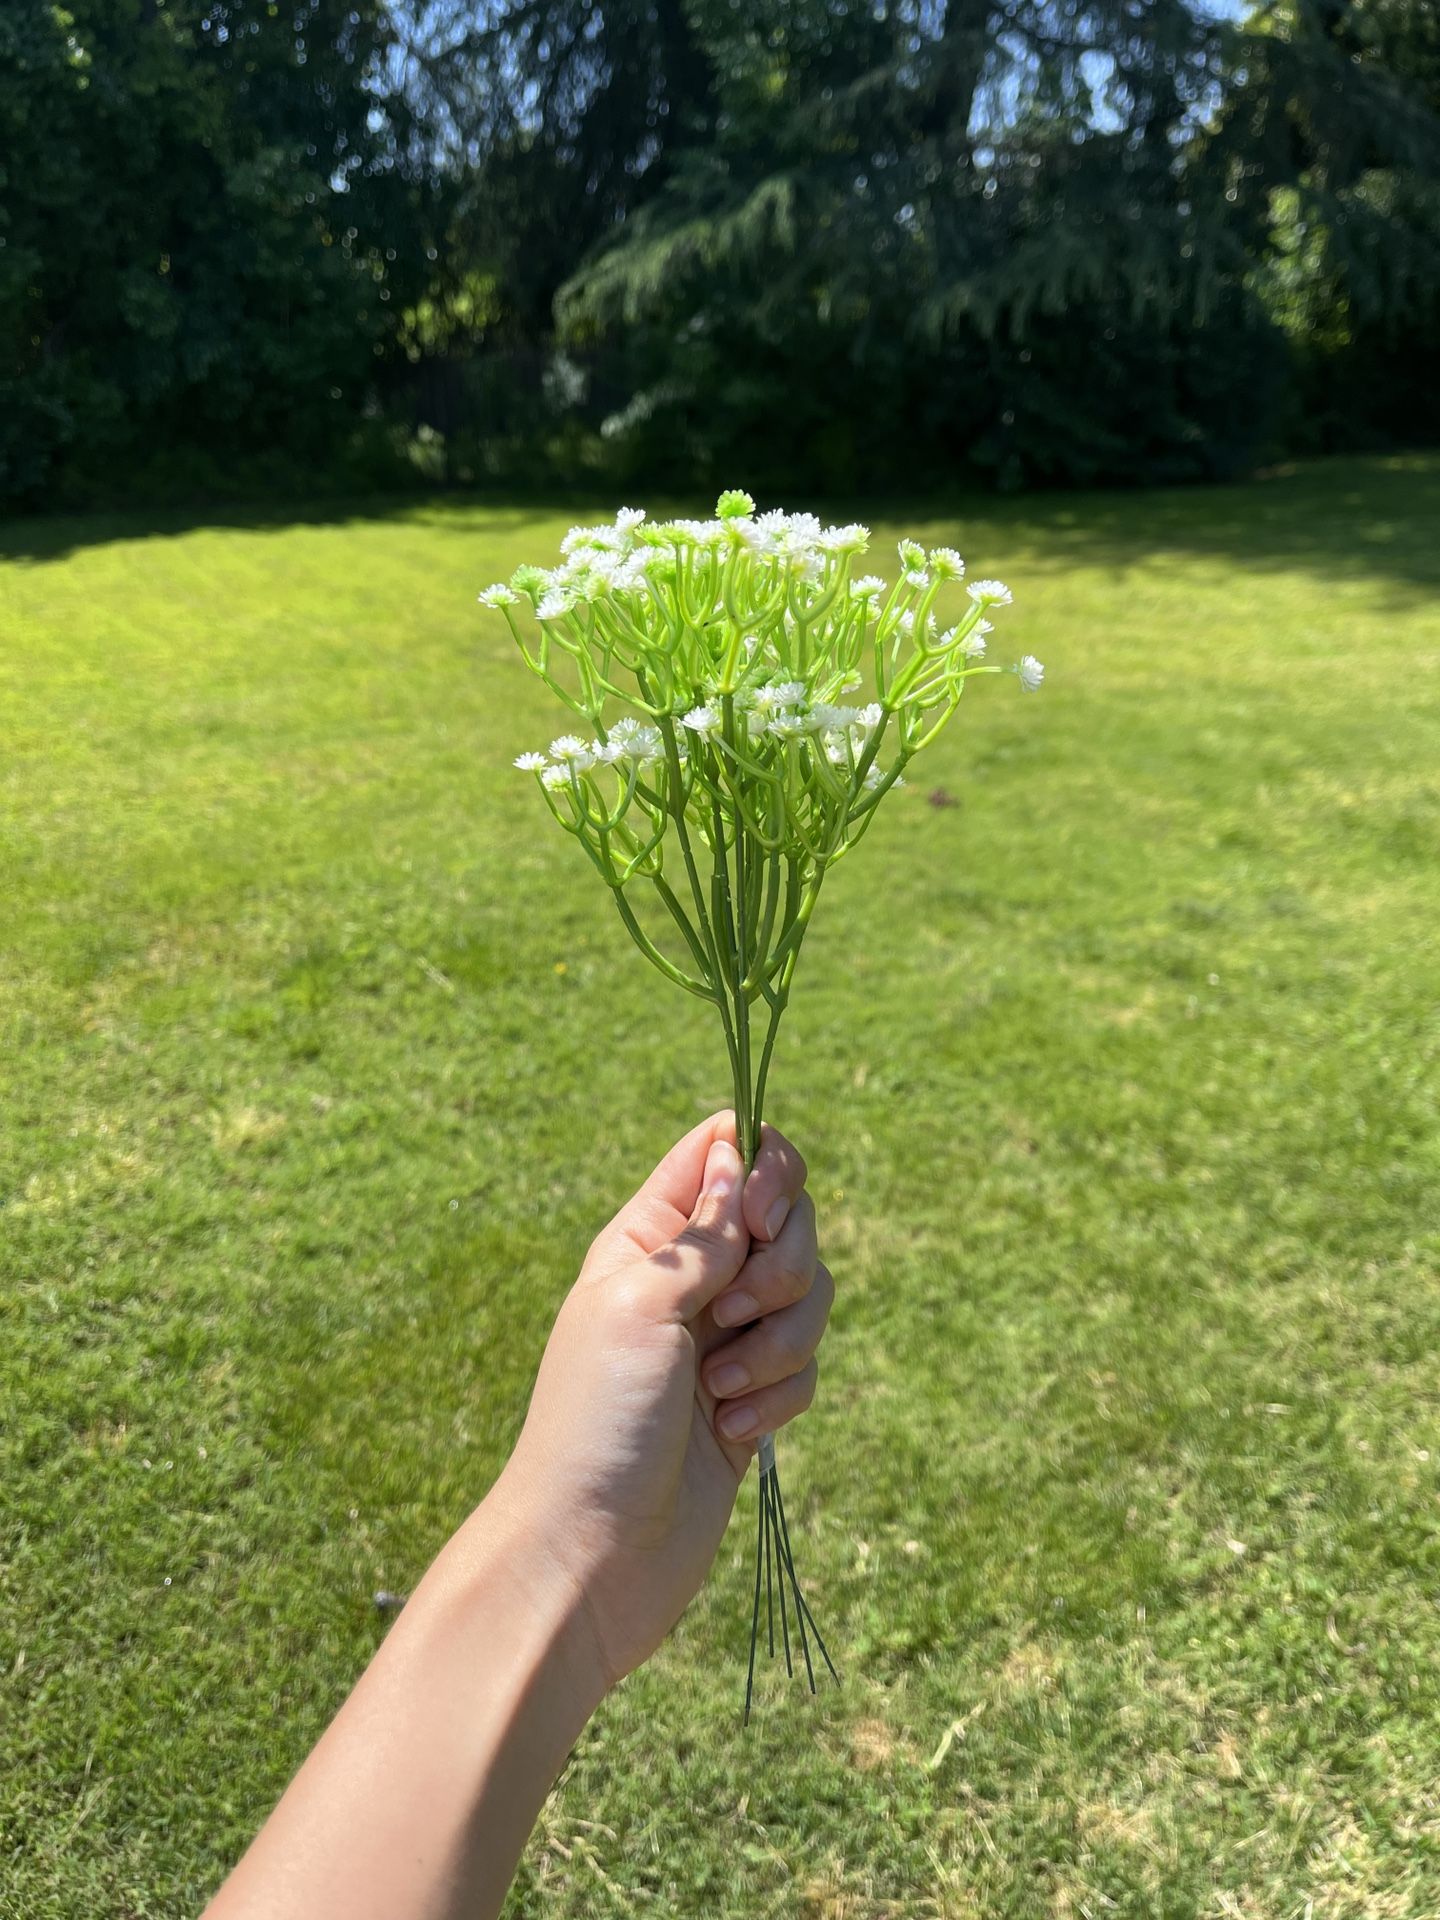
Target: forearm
(418,1800)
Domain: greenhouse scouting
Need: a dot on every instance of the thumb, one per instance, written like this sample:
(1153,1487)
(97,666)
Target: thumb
(684,1276)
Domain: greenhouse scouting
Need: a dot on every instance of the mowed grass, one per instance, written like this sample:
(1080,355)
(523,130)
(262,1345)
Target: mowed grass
(323,1058)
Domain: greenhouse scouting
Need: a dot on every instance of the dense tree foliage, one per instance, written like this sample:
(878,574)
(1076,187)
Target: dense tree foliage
(1038,240)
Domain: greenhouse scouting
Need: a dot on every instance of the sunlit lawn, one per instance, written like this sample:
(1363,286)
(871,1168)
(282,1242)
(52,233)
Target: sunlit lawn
(322,1061)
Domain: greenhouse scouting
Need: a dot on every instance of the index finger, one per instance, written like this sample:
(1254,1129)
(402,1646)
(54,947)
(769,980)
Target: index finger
(776,1182)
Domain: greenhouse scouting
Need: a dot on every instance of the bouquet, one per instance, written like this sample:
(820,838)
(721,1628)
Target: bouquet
(743,700)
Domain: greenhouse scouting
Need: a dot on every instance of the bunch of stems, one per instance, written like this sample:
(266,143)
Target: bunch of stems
(736,776)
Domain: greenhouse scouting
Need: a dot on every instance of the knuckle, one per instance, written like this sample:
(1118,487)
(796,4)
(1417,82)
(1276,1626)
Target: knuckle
(720,1235)
(794,1346)
(627,1298)
(787,1281)
(824,1284)
(789,1157)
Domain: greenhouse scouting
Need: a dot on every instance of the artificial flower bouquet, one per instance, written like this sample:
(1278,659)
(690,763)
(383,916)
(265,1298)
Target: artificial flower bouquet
(743,700)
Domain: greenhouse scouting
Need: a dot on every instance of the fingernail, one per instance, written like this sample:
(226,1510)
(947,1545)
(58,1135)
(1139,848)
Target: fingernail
(776,1218)
(734,1309)
(736,1422)
(731,1378)
(722,1169)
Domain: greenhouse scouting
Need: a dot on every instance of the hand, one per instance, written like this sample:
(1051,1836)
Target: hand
(691,1331)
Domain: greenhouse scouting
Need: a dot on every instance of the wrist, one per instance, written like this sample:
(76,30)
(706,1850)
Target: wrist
(508,1572)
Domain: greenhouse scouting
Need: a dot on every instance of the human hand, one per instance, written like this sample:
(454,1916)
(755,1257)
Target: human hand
(691,1331)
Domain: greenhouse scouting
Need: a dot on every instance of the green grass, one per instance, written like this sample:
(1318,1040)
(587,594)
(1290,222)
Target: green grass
(322,1061)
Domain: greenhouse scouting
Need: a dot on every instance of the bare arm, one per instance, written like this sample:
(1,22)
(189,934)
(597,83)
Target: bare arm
(417,1801)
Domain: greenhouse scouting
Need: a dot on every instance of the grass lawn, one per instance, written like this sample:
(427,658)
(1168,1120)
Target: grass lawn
(322,1061)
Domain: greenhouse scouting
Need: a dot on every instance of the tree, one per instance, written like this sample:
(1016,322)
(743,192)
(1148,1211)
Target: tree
(199,198)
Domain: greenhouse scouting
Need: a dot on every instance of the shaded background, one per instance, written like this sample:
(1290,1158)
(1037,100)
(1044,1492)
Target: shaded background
(263,247)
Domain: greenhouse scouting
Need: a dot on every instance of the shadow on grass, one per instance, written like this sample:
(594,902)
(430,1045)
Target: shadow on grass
(1342,518)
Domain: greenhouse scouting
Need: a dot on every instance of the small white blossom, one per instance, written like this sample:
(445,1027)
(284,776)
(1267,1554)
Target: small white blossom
(585,541)
(851,539)
(629,517)
(990,593)
(531,762)
(946,563)
(698,533)
(870,717)
(701,720)
(869,588)
(835,718)
(499,596)
(632,739)
(912,555)
(790,692)
(645,746)
(973,645)
(573,751)
(873,777)
(836,751)
(918,579)
(631,576)
(1031,673)
(554,605)
(554,777)
(786,726)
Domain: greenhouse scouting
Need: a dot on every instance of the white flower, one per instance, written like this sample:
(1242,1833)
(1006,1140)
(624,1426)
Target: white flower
(990,593)
(836,751)
(1031,673)
(701,720)
(789,692)
(912,555)
(869,588)
(554,605)
(585,540)
(873,777)
(531,762)
(946,562)
(698,533)
(632,739)
(918,579)
(973,645)
(573,752)
(644,746)
(788,537)
(851,539)
(785,726)
(631,575)
(554,777)
(834,718)
(870,717)
(629,517)
(499,596)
